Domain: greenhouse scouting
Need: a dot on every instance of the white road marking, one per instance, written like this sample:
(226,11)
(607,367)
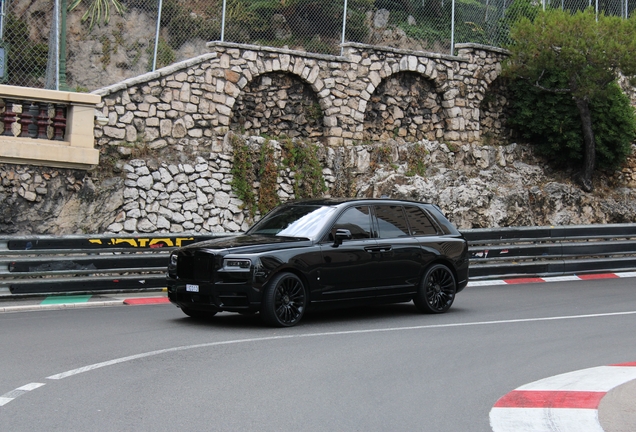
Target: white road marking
(30,387)
(597,379)
(561,278)
(338,333)
(8,397)
(544,420)
(626,274)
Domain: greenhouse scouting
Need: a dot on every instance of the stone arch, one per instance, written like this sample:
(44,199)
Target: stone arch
(278,103)
(493,113)
(404,105)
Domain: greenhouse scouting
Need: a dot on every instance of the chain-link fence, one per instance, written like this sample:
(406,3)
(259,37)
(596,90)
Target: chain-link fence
(105,41)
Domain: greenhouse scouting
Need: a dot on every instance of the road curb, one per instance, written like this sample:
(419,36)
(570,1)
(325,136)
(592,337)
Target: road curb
(563,402)
(39,307)
(526,280)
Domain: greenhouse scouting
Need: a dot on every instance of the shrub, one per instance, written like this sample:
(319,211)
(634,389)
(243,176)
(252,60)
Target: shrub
(552,122)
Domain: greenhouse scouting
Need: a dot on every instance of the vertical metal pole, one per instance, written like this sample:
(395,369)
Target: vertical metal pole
(452,47)
(56,20)
(223,21)
(543,3)
(596,7)
(154,58)
(2,2)
(344,26)
(62,58)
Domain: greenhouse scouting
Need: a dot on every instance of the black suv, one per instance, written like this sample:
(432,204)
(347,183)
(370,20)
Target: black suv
(324,252)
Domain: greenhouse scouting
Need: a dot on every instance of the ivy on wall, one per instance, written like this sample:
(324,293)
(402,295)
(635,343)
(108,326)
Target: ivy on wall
(249,167)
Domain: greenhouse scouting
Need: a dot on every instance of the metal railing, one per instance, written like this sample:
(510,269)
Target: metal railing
(551,251)
(95,263)
(105,263)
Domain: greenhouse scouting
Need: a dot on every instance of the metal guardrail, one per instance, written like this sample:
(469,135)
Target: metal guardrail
(106,263)
(551,251)
(94,263)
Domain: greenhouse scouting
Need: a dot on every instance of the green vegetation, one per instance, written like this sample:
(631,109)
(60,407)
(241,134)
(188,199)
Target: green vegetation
(415,160)
(589,55)
(98,10)
(268,175)
(302,158)
(299,156)
(552,122)
(243,174)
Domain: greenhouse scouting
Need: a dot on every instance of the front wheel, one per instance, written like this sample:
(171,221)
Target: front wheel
(284,301)
(436,291)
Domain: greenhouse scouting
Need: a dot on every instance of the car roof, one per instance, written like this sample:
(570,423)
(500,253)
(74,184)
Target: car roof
(339,201)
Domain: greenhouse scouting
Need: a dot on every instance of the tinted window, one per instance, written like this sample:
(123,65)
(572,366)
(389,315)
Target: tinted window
(419,222)
(294,221)
(357,220)
(391,222)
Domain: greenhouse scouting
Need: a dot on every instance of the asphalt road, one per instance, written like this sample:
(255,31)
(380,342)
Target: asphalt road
(387,368)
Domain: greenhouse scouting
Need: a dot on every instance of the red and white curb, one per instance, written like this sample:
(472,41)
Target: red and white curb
(567,402)
(526,280)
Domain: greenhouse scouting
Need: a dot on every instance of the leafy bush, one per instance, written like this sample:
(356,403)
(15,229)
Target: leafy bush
(552,122)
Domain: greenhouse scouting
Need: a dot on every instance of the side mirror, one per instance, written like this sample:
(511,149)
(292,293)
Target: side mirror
(341,235)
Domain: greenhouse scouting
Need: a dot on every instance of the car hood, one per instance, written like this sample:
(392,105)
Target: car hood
(250,243)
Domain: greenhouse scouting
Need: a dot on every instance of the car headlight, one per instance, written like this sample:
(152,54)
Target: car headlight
(234,264)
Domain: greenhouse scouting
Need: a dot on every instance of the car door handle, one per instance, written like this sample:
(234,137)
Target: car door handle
(386,248)
(373,249)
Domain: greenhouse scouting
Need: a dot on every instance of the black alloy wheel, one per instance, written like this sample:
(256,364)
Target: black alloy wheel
(284,301)
(437,290)
(197,314)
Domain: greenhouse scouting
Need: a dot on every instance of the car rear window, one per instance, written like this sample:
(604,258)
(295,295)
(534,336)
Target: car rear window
(419,222)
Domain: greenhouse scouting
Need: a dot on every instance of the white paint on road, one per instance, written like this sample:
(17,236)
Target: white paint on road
(544,420)
(94,366)
(599,379)
(8,397)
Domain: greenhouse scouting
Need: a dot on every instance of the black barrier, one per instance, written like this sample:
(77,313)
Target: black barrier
(551,251)
(101,263)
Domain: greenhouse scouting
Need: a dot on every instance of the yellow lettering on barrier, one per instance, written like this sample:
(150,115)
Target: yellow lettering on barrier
(131,242)
(145,242)
(158,242)
(182,239)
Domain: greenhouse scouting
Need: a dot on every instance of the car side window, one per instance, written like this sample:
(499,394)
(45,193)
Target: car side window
(419,222)
(357,220)
(391,221)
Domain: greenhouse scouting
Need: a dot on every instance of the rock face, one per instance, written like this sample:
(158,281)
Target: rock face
(35,200)
(190,191)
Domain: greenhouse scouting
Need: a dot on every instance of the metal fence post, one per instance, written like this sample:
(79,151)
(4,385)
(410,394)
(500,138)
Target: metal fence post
(154,58)
(223,21)
(344,26)
(452,43)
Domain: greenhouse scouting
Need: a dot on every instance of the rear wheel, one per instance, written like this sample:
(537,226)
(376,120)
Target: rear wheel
(197,314)
(284,301)
(437,290)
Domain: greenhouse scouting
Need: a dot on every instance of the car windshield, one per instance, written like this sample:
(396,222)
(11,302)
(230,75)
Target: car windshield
(294,221)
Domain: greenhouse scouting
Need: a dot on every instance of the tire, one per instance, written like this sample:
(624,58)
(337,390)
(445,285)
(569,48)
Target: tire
(197,314)
(284,301)
(436,292)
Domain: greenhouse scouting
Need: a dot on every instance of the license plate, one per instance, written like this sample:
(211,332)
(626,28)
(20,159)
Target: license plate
(192,288)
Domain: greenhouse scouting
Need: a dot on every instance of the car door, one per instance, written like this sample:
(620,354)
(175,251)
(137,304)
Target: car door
(349,270)
(401,256)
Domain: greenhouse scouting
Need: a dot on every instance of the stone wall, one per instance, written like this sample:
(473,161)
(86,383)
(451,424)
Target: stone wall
(206,96)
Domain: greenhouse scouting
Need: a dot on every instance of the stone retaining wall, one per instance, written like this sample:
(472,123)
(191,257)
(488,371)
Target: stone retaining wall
(240,86)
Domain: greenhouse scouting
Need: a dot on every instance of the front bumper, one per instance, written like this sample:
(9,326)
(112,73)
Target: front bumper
(214,296)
